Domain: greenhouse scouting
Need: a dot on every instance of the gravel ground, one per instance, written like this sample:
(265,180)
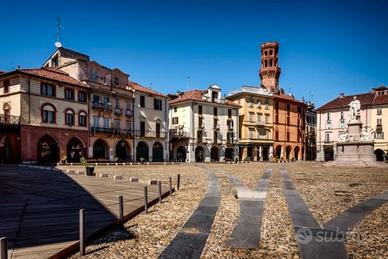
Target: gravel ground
(327,191)
(146,235)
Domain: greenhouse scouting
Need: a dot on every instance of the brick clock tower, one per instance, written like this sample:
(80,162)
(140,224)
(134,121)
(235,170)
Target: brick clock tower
(270,70)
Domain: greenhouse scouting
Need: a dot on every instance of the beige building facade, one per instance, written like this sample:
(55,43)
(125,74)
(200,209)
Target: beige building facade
(255,122)
(111,105)
(203,126)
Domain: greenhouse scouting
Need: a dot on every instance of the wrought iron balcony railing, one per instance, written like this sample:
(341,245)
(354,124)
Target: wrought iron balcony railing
(112,131)
(9,120)
(118,111)
(150,134)
(175,133)
(101,106)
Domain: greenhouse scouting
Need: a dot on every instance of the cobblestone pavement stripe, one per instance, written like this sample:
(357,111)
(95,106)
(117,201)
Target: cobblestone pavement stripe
(247,231)
(350,217)
(191,239)
(313,241)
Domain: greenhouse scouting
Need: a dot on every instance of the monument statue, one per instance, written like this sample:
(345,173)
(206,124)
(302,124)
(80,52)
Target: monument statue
(354,109)
(366,135)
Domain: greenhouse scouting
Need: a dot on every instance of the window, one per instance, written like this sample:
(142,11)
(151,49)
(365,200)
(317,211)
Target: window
(270,62)
(342,115)
(142,101)
(276,106)
(267,118)
(175,120)
(106,100)
(142,129)
(106,123)
(266,104)
(251,117)
(259,116)
(328,116)
(288,109)
(6,86)
(200,122)
(47,89)
(215,111)
(199,135)
(276,135)
(288,136)
(82,96)
(379,122)
(276,118)
(69,117)
(129,125)
(96,98)
(48,113)
(288,120)
(93,76)
(117,103)
(379,111)
(215,136)
(157,104)
(200,109)
(379,135)
(69,94)
(117,80)
(157,130)
(327,139)
(299,110)
(175,109)
(96,121)
(229,113)
(82,119)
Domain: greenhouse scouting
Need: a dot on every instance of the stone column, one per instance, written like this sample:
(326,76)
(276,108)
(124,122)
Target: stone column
(270,153)
(281,152)
(90,152)
(254,153)
(261,153)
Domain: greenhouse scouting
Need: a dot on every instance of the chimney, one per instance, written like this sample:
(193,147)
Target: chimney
(341,95)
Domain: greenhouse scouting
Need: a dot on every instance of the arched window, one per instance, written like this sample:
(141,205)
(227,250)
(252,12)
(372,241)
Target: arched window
(69,117)
(48,113)
(82,119)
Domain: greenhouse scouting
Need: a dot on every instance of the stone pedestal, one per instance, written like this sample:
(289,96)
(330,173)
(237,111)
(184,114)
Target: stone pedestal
(355,150)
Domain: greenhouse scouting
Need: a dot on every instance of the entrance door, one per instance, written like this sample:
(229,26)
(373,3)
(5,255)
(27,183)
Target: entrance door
(199,155)
(157,152)
(142,152)
(75,150)
(48,150)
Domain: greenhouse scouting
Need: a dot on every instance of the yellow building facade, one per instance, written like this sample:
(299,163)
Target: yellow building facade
(255,122)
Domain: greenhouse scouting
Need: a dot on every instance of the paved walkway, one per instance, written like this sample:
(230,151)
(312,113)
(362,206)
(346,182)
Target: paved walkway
(39,209)
(246,233)
(329,241)
(191,239)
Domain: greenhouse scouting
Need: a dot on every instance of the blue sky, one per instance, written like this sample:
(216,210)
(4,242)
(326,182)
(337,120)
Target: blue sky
(326,46)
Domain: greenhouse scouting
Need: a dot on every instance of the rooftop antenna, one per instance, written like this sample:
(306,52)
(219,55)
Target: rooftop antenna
(58,43)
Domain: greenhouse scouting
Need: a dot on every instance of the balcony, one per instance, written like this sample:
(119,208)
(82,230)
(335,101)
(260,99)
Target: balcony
(128,113)
(259,123)
(118,111)
(112,131)
(379,128)
(150,134)
(101,106)
(175,133)
(9,120)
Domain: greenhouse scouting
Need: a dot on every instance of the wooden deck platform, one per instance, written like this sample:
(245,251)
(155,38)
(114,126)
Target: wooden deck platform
(39,209)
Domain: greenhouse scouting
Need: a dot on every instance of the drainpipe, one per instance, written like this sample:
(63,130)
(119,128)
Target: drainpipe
(88,123)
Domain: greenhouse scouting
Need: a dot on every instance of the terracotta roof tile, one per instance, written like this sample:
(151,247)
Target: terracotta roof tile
(137,87)
(53,74)
(195,95)
(380,99)
(342,102)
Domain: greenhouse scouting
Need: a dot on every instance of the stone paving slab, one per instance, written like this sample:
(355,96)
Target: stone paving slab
(191,239)
(247,231)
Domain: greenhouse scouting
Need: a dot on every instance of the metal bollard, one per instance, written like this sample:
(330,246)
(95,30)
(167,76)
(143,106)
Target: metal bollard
(160,191)
(3,248)
(145,199)
(82,232)
(178,182)
(121,209)
(170,184)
